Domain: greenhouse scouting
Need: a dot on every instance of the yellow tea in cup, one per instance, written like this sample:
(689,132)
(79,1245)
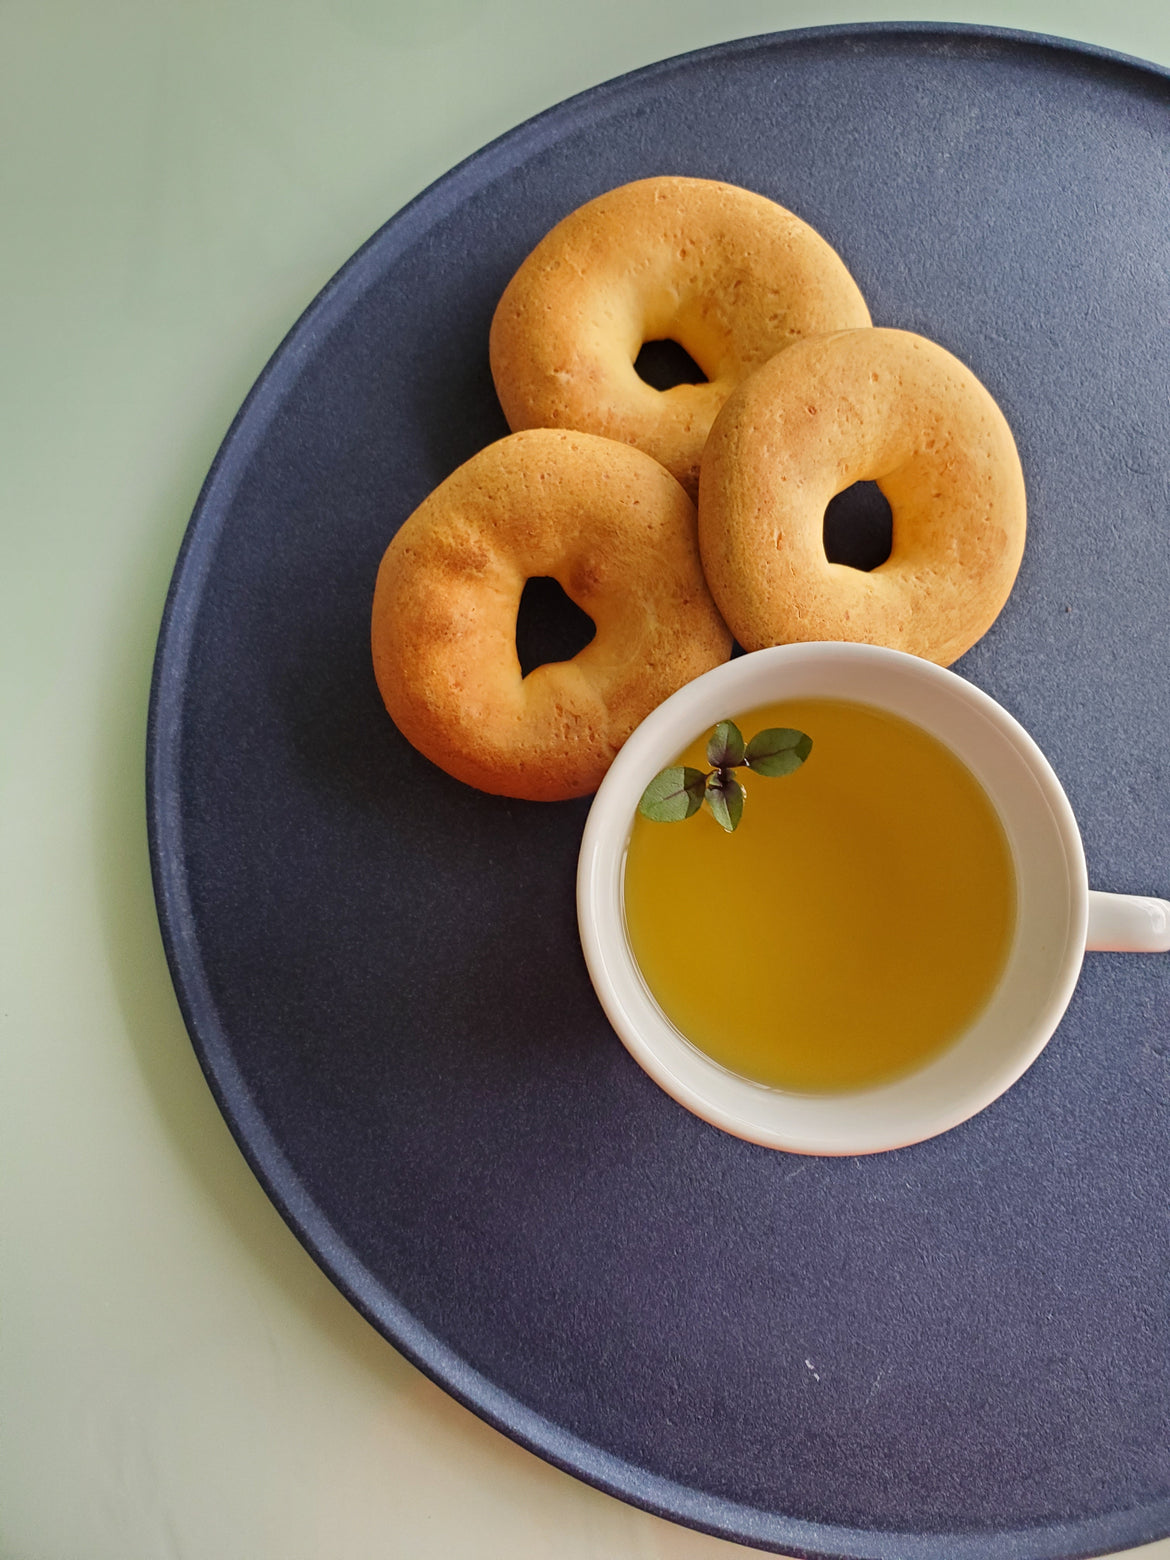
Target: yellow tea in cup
(854,924)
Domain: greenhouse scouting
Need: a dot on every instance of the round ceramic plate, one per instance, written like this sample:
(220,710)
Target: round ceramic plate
(961,1349)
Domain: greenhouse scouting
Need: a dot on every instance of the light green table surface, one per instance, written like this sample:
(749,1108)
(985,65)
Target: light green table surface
(177,179)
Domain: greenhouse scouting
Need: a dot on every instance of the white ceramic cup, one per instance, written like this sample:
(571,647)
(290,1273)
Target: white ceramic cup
(1057,916)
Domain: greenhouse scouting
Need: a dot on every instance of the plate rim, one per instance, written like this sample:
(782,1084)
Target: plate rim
(627,1481)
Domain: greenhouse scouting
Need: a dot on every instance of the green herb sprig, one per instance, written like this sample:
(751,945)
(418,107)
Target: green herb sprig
(678,792)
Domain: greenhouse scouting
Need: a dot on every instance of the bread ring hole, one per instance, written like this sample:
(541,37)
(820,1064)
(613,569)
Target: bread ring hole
(549,626)
(859,527)
(664,364)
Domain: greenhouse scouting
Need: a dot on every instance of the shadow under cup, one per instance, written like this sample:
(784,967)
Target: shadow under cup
(1043,962)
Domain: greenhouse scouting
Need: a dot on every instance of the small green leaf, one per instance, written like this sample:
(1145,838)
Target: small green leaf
(725,747)
(725,799)
(673,795)
(777,751)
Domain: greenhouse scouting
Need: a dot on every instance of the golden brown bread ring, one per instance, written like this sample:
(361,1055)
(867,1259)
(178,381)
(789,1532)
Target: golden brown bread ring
(618,533)
(879,405)
(728,274)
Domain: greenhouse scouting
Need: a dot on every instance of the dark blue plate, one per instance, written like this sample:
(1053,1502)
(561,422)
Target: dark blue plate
(958,1350)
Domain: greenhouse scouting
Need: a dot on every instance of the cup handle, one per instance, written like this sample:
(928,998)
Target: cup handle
(1127,923)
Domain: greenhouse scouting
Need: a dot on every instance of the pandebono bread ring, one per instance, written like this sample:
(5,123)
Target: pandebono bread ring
(727,274)
(880,405)
(619,535)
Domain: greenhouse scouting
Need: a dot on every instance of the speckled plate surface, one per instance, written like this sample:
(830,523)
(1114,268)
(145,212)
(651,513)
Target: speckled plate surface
(957,1350)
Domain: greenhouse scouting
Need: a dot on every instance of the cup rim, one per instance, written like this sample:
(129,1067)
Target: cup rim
(640,1024)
